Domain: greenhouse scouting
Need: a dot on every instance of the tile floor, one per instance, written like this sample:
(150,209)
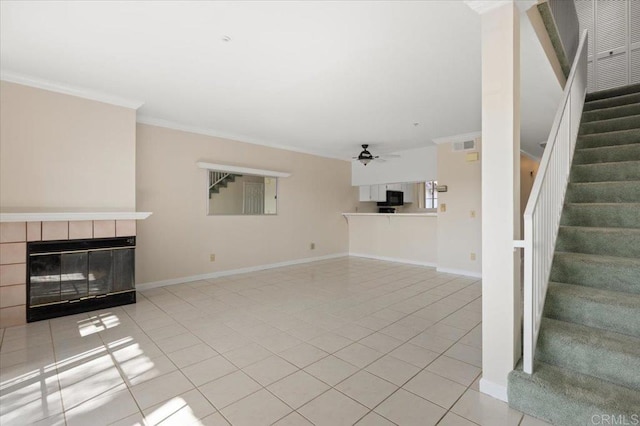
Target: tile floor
(339,342)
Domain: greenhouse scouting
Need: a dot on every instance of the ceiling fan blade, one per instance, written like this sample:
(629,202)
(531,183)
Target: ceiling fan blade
(380,160)
(390,156)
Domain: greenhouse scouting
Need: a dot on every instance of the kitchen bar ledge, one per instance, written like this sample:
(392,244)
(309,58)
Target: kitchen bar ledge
(71,216)
(391,214)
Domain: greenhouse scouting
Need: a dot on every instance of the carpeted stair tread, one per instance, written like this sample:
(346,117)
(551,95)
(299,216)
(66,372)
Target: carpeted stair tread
(587,359)
(581,349)
(601,172)
(604,192)
(610,125)
(593,307)
(621,242)
(632,98)
(620,137)
(611,112)
(612,215)
(567,398)
(603,272)
(607,154)
(612,93)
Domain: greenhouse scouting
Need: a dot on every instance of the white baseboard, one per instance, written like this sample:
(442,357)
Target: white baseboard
(155,284)
(394,259)
(494,390)
(460,272)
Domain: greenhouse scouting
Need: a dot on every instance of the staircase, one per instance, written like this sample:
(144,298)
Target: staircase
(587,360)
(219,180)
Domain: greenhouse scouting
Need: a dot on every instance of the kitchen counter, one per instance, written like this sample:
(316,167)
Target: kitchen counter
(391,214)
(401,237)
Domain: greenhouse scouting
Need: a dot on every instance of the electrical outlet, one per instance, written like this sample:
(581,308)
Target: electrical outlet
(473,256)
(212,257)
(312,246)
(473,214)
(443,207)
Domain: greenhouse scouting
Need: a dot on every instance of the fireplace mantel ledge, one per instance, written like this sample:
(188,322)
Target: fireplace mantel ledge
(71,216)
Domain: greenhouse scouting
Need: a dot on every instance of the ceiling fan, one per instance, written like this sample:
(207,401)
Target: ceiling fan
(365,157)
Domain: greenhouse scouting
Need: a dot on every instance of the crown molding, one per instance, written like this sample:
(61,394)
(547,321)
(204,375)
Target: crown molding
(458,138)
(482,6)
(65,89)
(531,156)
(168,124)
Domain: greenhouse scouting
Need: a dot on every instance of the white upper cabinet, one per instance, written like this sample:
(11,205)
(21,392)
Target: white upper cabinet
(408,190)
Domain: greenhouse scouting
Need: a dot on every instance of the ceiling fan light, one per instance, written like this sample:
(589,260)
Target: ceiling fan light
(365,160)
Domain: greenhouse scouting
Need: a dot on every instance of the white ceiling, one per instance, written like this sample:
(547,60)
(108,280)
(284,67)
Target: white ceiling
(320,77)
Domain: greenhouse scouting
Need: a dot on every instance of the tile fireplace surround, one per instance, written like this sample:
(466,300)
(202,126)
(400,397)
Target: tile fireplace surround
(14,236)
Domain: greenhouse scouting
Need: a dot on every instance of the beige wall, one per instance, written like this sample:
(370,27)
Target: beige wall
(528,172)
(63,152)
(178,238)
(459,234)
(403,238)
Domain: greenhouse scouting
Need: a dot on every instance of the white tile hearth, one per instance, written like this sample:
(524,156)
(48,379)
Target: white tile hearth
(337,342)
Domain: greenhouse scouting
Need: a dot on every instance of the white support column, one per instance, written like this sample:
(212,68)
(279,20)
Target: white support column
(501,292)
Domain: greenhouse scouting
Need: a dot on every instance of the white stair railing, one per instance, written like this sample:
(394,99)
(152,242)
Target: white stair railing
(544,209)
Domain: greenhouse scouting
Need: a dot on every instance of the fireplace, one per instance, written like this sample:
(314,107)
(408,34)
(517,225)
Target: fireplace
(66,277)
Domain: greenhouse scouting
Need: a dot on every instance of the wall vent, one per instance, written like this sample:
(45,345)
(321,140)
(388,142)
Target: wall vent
(464,145)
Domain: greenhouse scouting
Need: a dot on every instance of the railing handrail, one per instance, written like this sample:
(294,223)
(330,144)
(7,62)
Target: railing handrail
(553,176)
(555,128)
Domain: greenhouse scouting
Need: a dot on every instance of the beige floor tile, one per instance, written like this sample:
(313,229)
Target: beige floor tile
(141,369)
(465,353)
(452,419)
(452,369)
(331,370)
(107,408)
(330,342)
(270,370)
(303,355)
(358,355)
(484,410)
(373,419)
(407,409)
(333,409)
(175,343)
(215,419)
(447,331)
(208,370)
(393,370)
(30,400)
(367,389)
(293,419)
(183,409)
(260,408)
(278,342)
(191,355)
(210,328)
(353,331)
(414,355)
(432,342)
(436,389)
(229,389)
(160,389)
(247,355)
(381,342)
(298,389)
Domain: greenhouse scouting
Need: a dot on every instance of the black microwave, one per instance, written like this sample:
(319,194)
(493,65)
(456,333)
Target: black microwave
(394,198)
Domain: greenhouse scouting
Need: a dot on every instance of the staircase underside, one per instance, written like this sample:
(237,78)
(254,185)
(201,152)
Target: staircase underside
(587,359)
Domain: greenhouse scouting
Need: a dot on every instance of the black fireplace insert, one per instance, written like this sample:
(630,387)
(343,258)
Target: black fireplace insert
(72,276)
